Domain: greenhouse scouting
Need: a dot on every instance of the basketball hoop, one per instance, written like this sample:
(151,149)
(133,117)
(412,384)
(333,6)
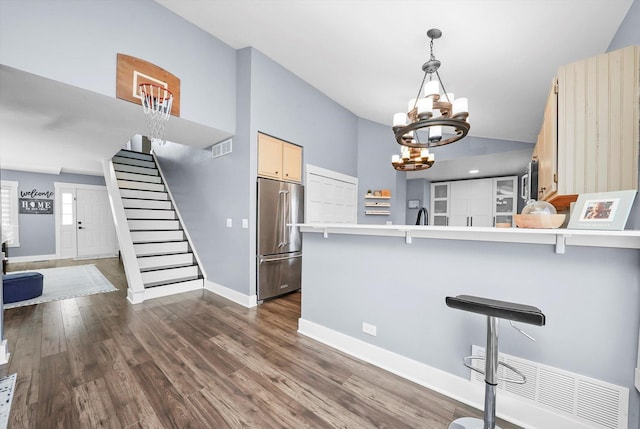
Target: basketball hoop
(156,103)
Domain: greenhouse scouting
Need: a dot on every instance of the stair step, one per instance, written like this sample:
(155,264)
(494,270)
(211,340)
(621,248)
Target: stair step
(133,203)
(156,249)
(144,195)
(156,236)
(135,169)
(153,225)
(138,177)
(150,214)
(136,155)
(165,261)
(136,162)
(170,275)
(173,288)
(141,186)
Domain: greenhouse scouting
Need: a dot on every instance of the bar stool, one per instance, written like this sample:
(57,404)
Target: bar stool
(494,310)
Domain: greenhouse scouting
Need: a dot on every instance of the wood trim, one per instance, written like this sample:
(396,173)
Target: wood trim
(132,71)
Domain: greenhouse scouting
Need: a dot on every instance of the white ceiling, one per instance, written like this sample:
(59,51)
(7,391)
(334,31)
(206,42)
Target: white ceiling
(364,54)
(367,55)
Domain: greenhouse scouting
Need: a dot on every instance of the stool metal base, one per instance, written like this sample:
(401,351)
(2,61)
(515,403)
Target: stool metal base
(468,423)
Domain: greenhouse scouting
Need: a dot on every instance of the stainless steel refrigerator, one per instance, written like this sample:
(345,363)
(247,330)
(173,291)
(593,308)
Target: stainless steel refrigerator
(279,247)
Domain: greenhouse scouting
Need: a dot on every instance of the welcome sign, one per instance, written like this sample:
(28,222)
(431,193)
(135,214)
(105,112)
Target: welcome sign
(34,205)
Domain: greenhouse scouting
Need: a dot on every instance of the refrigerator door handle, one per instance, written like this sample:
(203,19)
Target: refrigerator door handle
(281,258)
(283,220)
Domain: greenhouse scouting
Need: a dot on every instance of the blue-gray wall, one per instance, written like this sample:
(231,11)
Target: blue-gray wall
(418,189)
(272,100)
(38,231)
(376,145)
(628,33)
(76,42)
(592,306)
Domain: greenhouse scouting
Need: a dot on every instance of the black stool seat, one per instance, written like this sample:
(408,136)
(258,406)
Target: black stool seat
(494,310)
(500,309)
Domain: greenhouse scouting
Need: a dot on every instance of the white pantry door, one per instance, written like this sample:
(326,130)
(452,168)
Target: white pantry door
(95,229)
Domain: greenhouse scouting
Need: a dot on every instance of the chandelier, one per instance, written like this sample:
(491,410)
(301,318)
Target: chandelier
(421,126)
(413,159)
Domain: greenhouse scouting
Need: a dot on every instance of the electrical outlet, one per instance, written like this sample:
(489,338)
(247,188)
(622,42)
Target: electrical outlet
(368,328)
(229,223)
(245,223)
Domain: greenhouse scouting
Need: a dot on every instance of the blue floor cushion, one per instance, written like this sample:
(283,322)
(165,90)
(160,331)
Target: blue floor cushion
(21,286)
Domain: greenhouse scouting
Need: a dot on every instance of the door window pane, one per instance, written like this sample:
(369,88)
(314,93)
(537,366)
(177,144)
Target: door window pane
(67,208)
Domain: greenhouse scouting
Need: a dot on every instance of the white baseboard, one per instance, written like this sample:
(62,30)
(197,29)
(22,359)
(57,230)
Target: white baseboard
(248,301)
(512,409)
(4,352)
(32,258)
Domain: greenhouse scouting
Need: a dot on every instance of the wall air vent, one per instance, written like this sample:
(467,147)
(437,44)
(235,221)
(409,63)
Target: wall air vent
(222,148)
(593,403)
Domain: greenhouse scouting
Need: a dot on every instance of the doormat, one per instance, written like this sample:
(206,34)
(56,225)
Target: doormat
(7,385)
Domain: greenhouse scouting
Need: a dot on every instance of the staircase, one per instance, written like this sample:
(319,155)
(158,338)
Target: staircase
(161,260)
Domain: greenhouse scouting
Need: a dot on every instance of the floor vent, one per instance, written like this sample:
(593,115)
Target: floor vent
(594,403)
(222,148)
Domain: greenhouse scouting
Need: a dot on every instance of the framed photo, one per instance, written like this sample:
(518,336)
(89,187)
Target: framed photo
(603,210)
(413,204)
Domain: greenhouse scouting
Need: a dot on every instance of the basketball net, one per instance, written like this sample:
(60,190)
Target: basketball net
(156,103)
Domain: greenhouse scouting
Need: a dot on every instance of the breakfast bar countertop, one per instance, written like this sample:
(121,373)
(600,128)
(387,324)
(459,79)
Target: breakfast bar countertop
(560,238)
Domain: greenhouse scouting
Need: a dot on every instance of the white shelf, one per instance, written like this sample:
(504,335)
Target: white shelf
(372,197)
(377,212)
(560,238)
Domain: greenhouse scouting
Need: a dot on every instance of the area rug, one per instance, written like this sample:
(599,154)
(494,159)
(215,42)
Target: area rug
(68,282)
(7,385)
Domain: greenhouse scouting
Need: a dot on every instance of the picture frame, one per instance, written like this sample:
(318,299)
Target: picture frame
(413,204)
(602,210)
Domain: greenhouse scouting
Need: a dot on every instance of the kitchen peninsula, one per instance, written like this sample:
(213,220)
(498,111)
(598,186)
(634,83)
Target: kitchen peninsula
(391,281)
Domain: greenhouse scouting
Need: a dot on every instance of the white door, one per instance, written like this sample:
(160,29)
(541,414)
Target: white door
(95,230)
(459,203)
(480,202)
(330,197)
(67,222)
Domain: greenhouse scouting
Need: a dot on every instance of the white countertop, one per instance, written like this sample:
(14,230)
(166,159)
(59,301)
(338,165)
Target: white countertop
(560,238)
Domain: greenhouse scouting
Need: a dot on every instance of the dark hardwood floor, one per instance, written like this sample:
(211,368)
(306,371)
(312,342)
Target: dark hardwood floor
(195,360)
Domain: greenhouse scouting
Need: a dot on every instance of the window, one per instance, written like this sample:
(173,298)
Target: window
(67,208)
(9,209)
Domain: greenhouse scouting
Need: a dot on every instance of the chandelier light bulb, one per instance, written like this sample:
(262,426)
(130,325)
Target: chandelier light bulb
(400,119)
(435,133)
(460,107)
(425,107)
(432,89)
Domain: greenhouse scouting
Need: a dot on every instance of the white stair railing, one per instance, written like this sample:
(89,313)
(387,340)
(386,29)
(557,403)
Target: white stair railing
(135,292)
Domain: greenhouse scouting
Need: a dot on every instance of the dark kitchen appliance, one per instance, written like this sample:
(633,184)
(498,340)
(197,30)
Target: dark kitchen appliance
(529,182)
(279,246)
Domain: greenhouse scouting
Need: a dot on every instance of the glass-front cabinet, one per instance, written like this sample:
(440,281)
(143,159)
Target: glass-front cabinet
(485,202)
(504,200)
(439,204)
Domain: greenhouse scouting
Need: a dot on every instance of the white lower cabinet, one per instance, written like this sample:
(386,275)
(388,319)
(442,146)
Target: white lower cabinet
(477,202)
